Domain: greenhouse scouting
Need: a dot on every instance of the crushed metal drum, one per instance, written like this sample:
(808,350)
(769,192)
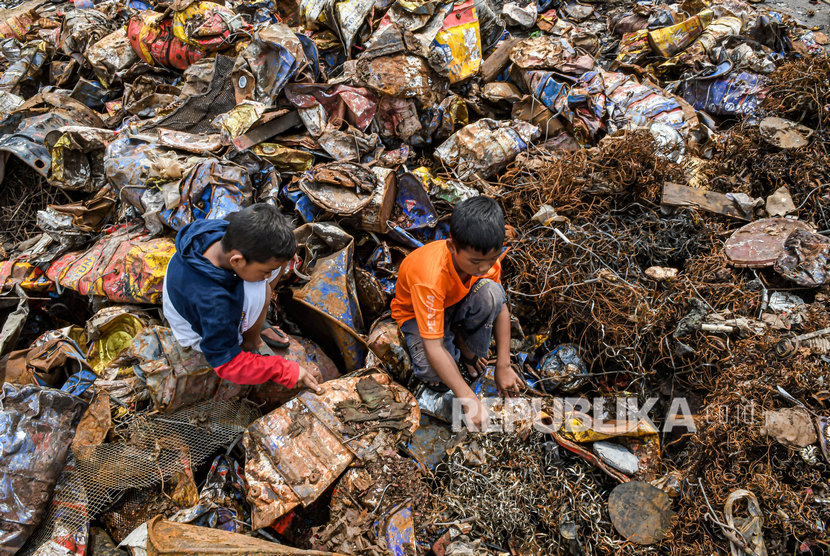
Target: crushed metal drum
(640,512)
(760,243)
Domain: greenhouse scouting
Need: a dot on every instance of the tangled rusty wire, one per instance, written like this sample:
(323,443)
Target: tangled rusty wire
(582,277)
(24,193)
(524,496)
(746,163)
(800,90)
(728,451)
(620,169)
(586,282)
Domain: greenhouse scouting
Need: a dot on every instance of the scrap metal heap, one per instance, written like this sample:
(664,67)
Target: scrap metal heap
(665,176)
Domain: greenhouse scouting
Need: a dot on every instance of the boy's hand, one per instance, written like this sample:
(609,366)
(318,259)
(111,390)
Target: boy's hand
(306,378)
(508,381)
(475,414)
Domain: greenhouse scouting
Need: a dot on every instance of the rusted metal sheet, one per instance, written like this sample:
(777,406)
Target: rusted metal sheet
(95,423)
(27,141)
(374,217)
(343,188)
(370,294)
(14,309)
(823,429)
(355,105)
(308,355)
(331,289)
(547,52)
(484,147)
(760,243)
(50,360)
(175,376)
(110,331)
(110,56)
(211,190)
(805,259)
(264,67)
(386,343)
(131,164)
(402,76)
(267,130)
(77,154)
(284,159)
(167,538)
(125,266)
(152,39)
(298,450)
(82,28)
(428,445)
(677,195)
(37,426)
(391,66)
(191,142)
(640,512)
(75,219)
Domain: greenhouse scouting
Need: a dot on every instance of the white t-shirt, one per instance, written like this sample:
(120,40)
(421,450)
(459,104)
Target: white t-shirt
(252,304)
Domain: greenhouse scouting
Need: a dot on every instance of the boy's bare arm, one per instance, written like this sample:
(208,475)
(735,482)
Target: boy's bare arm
(445,367)
(447,370)
(507,381)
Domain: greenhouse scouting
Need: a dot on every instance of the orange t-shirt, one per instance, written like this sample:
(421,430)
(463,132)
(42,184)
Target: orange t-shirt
(427,284)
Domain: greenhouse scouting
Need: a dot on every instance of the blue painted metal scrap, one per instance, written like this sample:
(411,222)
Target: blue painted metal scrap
(211,190)
(332,291)
(37,426)
(400,532)
(428,444)
(736,94)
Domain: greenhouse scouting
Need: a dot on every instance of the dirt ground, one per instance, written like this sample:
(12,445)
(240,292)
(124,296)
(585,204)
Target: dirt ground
(814,13)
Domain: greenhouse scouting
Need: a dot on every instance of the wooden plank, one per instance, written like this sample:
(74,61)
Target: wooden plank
(676,195)
(498,60)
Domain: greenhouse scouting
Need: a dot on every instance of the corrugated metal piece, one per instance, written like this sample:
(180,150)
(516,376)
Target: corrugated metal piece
(298,450)
(332,290)
(166,538)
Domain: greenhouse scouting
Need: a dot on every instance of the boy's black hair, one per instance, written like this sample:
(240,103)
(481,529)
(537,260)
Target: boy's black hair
(261,233)
(477,223)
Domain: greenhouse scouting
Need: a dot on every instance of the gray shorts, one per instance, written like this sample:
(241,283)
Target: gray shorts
(472,318)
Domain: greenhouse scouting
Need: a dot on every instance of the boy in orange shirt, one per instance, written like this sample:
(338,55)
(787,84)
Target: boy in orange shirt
(448,302)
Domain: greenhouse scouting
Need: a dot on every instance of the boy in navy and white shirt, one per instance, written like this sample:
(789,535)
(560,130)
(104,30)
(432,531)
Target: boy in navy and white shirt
(216,293)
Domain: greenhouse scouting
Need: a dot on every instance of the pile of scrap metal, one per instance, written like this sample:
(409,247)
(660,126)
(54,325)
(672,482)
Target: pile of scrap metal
(663,169)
